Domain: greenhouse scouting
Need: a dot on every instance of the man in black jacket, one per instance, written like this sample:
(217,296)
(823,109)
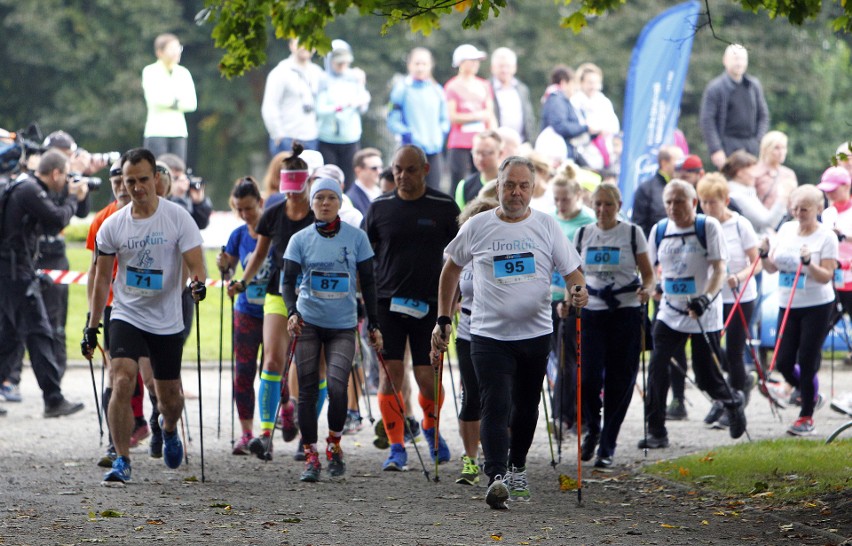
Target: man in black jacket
(648,207)
(28,212)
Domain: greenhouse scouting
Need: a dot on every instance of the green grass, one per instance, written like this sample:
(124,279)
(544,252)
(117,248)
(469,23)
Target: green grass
(80,258)
(776,471)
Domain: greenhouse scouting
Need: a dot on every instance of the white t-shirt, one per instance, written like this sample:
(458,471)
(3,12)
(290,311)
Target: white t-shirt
(147,288)
(785,253)
(466,289)
(607,257)
(512,267)
(842,222)
(545,202)
(686,270)
(739,236)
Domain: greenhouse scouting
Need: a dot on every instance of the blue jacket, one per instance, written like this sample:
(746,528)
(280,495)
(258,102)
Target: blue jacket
(418,114)
(359,198)
(559,114)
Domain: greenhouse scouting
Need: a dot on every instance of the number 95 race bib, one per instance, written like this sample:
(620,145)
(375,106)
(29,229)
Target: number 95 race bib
(512,268)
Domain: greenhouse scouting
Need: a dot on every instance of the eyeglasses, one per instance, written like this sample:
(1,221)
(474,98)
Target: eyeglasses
(375,168)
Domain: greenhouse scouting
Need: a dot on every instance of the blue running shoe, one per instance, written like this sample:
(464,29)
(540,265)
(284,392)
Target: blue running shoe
(443,449)
(397,461)
(120,472)
(172,447)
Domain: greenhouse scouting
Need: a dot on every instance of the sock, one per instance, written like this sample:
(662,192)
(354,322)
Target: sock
(154,420)
(268,396)
(429,411)
(392,417)
(322,395)
(136,400)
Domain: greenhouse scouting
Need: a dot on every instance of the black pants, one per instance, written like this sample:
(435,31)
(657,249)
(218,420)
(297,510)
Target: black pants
(611,366)
(801,343)
(510,375)
(55,298)
(563,343)
(735,342)
(342,156)
(461,164)
(471,404)
(23,321)
(667,343)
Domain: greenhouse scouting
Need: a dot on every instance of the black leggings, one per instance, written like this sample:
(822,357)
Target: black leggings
(735,342)
(470,410)
(339,348)
(801,342)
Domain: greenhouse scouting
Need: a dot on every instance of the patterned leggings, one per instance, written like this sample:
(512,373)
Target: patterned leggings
(248,336)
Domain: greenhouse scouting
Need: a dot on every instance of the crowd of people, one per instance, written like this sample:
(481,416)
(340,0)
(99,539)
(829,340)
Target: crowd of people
(523,255)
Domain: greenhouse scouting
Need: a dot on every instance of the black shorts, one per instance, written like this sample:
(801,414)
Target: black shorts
(397,328)
(165,351)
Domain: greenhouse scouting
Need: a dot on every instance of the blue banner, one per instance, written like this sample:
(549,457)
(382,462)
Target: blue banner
(655,82)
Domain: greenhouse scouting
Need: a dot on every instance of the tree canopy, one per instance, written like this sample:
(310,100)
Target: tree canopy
(240,26)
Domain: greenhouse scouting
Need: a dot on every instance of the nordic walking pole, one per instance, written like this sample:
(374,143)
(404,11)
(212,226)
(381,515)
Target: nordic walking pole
(643,309)
(365,392)
(233,373)
(221,336)
(439,369)
(560,390)
(450,367)
(549,432)
(715,356)
(200,391)
(95,391)
(786,315)
(291,355)
(577,288)
(739,296)
(402,413)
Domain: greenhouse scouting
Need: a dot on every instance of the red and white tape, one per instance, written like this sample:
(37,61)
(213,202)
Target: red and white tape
(59,276)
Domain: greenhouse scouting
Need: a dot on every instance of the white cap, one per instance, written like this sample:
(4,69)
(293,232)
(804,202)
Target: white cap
(467,52)
(313,158)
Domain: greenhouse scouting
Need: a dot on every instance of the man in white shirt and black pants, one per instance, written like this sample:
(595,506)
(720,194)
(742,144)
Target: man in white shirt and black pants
(514,250)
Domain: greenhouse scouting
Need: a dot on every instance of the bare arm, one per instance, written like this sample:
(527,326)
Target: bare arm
(447,287)
(194,260)
(717,277)
(735,279)
(649,280)
(100,288)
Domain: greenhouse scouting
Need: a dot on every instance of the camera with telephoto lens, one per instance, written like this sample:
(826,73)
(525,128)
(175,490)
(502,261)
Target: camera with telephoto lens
(195,182)
(93,182)
(15,147)
(107,157)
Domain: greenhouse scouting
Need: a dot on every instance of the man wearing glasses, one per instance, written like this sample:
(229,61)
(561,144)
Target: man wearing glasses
(169,93)
(368,167)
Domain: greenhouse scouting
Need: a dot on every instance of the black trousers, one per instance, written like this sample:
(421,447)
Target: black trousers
(24,322)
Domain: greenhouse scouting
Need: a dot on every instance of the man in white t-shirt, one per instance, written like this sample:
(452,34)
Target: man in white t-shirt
(151,239)
(692,252)
(514,251)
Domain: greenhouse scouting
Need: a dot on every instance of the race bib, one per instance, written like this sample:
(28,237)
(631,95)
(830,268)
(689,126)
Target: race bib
(602,258)
(787,278)
(256,293)
(680,288)
(512,268)
(329,285)
(413,308)
(143,282)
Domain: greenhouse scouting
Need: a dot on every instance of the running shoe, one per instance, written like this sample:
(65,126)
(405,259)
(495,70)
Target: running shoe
(108,458)
(722,422)
(172,448)
(519,488)
(676,410)
(334,454)
(119,474)
(803,426)
(242,445)
(843,406)
(603,462)
(261,446)
(497,494)
(139,433)
(470,471)
(312,466)
(715,413)
(587,450)
(289,424)
(381,440)
(414,427)
(12,393)
(736,415)
(397,461)
(354,422)
(299,455)
(443,450)
(819,401)
(62,408)
(155,446)
(653,442)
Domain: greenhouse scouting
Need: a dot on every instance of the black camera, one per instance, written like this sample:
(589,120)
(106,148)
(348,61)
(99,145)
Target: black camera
(93,182)
(16,146)
(195,182)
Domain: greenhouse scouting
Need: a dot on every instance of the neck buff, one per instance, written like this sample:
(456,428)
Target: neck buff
(328,229)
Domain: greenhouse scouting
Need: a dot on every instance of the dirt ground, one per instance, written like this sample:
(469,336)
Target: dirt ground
(49,486)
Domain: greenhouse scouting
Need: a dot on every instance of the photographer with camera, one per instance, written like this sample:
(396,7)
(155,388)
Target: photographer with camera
(29,211)
(188,191)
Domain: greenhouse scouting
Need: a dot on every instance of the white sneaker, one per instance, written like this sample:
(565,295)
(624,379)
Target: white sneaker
(519,488)
(497,494)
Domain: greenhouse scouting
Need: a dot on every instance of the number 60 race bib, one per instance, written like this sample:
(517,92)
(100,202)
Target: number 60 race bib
(512,268)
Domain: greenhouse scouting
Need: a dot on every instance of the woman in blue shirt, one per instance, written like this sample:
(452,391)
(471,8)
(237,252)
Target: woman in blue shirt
(333,259)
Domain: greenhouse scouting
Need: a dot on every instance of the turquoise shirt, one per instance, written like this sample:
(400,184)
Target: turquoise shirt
(569,228)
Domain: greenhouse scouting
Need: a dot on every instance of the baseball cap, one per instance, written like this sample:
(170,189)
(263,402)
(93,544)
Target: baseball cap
(690,163)
(833,178)
(467,52)
(61,140)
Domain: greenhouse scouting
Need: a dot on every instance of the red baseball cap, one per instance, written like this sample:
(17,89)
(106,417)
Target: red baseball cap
(691,163)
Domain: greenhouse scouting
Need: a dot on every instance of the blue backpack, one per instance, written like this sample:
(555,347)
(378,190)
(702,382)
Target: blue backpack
(700,231)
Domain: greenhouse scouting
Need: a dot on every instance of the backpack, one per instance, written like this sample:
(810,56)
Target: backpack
(6,189)
(700,231)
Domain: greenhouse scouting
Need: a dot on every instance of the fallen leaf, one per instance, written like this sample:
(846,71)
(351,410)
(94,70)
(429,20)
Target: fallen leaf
(496,536)
(292,520)
(566,483)
(224,505)
(705,522)
(667,526)
(110,513)
(189,479)
(683,471)
(155,522)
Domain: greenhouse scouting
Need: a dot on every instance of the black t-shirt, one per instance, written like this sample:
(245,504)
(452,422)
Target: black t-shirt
(740,119)
(409,238)
(277,226)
